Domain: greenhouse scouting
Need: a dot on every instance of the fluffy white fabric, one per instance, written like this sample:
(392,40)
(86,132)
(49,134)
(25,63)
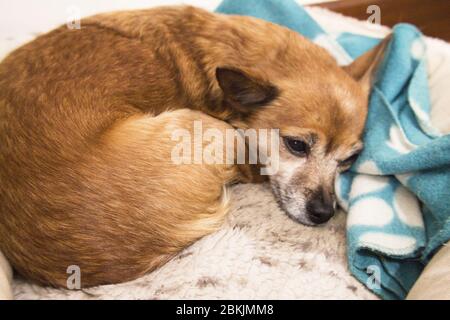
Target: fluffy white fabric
(5,279)
(260,252)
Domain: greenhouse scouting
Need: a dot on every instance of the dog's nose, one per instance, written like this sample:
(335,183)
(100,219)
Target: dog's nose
(320,207)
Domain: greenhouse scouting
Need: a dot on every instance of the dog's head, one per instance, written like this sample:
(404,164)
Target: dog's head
(320,111)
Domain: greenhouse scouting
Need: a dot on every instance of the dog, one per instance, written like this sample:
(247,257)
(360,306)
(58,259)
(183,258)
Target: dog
(85,125)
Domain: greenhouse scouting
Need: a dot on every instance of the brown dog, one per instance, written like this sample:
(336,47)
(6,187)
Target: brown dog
(85,135)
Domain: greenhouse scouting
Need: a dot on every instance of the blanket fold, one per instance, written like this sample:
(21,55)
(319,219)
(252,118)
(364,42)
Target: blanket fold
(397,194)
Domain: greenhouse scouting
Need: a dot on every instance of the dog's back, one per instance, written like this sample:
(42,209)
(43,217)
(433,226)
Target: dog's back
(85,157)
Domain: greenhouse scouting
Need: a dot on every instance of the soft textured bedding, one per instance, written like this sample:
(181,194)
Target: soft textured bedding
(434,282)
(405,160)
(260,253)
(5,279)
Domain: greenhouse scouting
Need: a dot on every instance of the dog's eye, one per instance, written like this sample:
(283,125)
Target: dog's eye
(296,146)
(349,161)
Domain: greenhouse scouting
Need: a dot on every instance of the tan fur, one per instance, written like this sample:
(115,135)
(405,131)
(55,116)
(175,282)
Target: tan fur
(85,170)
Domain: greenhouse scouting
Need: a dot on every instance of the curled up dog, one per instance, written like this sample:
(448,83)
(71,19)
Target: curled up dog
(86,135)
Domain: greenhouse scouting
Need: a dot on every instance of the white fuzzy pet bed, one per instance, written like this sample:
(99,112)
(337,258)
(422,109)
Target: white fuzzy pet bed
(260,253)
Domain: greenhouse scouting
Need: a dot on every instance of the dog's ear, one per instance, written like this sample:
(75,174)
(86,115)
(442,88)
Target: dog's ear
(363,69)
(243,93)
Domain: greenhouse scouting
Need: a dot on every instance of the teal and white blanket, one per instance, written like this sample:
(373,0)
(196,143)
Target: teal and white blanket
(397,194)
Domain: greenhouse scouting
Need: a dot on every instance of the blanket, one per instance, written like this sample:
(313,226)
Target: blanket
(397,194)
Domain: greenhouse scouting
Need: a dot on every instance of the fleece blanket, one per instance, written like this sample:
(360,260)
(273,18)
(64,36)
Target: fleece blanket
(397,194)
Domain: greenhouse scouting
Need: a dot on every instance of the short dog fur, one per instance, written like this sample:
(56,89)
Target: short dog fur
(85,123)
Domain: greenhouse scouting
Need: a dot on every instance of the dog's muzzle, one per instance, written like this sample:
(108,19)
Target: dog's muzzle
(320,207)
